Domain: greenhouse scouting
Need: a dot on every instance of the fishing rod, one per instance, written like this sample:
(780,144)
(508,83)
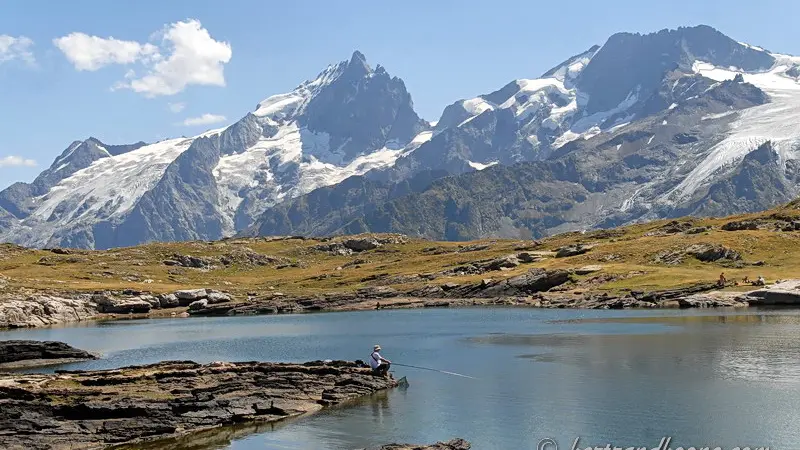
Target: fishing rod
(434,370)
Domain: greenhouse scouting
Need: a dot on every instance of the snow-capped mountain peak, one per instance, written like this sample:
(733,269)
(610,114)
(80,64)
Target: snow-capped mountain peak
(348,120)
(288,106)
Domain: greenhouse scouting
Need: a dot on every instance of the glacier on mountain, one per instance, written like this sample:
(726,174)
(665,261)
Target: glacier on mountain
(777,122)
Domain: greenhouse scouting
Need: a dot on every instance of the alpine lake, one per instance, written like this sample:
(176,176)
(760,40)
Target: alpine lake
(700,378)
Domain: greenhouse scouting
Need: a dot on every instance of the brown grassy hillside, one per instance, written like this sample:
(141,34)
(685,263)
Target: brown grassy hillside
(640,257)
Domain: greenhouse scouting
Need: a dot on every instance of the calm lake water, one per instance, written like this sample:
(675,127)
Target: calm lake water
(624,378)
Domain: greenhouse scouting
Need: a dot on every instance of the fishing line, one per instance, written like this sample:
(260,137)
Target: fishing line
(434,370)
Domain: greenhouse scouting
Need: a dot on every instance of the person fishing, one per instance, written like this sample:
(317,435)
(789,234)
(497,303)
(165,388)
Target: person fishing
(379,364)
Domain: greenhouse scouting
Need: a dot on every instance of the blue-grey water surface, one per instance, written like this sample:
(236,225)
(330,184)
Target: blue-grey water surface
(624,378)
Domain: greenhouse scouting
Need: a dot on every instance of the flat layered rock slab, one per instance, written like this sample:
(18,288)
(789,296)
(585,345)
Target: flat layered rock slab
(453,444)
(21,354)
(96,409)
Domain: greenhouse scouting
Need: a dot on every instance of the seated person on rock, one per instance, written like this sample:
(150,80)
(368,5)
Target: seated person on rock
(379,364)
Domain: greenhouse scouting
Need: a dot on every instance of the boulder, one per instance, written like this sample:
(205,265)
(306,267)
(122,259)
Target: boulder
(361,245)
(573,250)
(185,297)
(153,301)
(506,262)
(198,305)
(114,305)
(526,257)
(712,252)
(215,297)
(538,280)
(168,301)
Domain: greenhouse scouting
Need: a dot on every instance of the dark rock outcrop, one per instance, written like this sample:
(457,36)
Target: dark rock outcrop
(116,305)
(713,252)
(572,250)
(453,444)
(15,354)
(95,409)
(704,252)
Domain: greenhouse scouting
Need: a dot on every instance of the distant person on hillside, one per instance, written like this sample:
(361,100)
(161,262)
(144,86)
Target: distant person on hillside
(760,281)
(722,280)
(379,364)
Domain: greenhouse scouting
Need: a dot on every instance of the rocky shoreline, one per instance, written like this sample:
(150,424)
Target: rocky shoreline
(138,404)
(536,288)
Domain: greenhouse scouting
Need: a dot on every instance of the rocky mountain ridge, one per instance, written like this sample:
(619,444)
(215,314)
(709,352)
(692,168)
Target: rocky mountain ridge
(642,127)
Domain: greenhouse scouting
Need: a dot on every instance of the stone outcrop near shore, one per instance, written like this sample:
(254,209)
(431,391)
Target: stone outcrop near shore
(96,409)
(44,310)
(17,311)
(17,354)
(453,444)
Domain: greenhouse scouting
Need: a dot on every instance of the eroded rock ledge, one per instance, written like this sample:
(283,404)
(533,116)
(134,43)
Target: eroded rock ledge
(95,409)
(17,354)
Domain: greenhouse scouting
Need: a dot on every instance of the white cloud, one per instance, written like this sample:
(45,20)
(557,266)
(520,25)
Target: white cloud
(195,58)
(205,119)
(16,161)
(176,107)
(186,55)
(92,53)
(16,48)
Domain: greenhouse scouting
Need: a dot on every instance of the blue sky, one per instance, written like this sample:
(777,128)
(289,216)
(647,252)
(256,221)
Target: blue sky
(236,53)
